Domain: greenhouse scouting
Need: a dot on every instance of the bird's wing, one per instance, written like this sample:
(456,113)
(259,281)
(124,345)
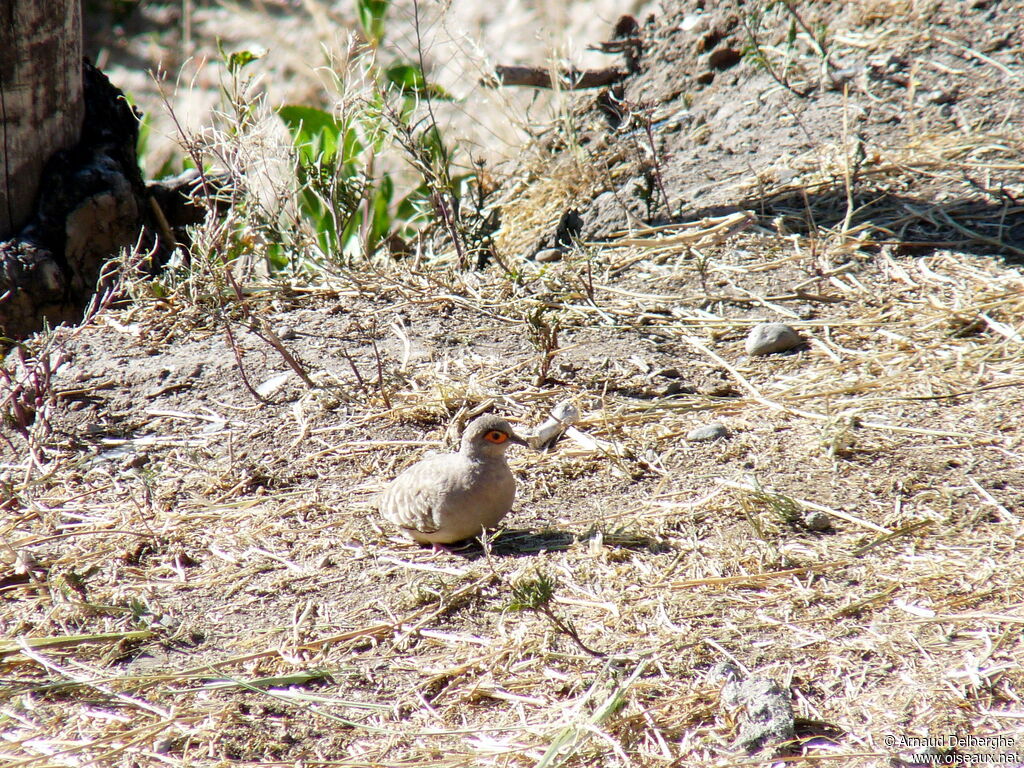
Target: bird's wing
(413,500)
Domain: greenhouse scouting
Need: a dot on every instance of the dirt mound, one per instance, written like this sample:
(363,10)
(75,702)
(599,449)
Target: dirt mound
(893,125)
(194,573)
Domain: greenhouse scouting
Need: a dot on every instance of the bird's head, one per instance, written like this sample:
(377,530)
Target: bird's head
(489,435)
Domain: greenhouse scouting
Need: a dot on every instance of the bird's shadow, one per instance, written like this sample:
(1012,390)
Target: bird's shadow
(518,542)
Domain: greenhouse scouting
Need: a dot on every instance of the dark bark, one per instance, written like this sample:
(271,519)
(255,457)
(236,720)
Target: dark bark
(41,107)
(569,80)
(92,205)
(626,40)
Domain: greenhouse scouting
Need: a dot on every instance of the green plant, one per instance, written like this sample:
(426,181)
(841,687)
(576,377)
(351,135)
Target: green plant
(757,52)
(655,194)
(351,207)
(542,332)
(372,15)
(243,109)
(783,508)
(27,392)
(535,594)
(348,211)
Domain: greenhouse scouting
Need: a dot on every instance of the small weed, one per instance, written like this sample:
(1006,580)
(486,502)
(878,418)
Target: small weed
(756,50)
(350,208)
(543,334)
(27,393)
(533,594)
(347,211)
(536,594)
(782,507)
(430,591)
(838,437)
(703,264)
(645,115)
(141,616)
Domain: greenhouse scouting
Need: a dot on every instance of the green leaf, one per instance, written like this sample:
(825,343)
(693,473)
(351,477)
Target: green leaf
(351,147)
(409,79)
(277,257)
(236,61)
(372,14)
(314,132)
(348,241)
(380,203)
(462,184)
(406,77)
(822,35)
(433,142)
(414,207)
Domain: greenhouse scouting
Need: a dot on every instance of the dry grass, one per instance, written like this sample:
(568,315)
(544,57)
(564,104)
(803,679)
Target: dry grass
(274,624)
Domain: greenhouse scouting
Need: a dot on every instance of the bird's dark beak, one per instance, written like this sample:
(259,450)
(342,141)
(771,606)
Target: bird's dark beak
(514,438)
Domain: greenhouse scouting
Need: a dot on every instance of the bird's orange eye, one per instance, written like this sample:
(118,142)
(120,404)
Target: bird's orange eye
(494,436)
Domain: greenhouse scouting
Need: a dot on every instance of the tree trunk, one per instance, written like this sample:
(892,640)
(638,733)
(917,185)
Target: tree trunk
(91,203)
(41,105)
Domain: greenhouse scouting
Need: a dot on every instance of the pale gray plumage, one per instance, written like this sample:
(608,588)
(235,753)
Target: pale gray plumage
(452,496)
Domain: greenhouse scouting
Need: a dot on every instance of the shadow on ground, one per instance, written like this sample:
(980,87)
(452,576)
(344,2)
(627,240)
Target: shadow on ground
(519,542)
(911,223)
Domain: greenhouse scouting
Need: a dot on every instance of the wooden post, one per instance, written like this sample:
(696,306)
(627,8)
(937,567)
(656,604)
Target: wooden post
(41,102)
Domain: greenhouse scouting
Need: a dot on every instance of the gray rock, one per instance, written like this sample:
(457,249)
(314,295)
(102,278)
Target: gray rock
(765,711)
(677,388)
(942,97)
(713,431)
(817,521)
(549,254)
(768,338)
(613,211)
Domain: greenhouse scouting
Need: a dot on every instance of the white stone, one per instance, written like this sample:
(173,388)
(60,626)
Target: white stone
(713,431)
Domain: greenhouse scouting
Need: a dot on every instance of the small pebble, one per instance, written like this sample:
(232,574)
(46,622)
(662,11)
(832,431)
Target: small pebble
(285,333)
(942,97)
(694,22)
(767,338)
(724,57)
(817,521)
(548,254)
(137,461)
(842,76)
(713,431)
(271,385)
(678,388)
